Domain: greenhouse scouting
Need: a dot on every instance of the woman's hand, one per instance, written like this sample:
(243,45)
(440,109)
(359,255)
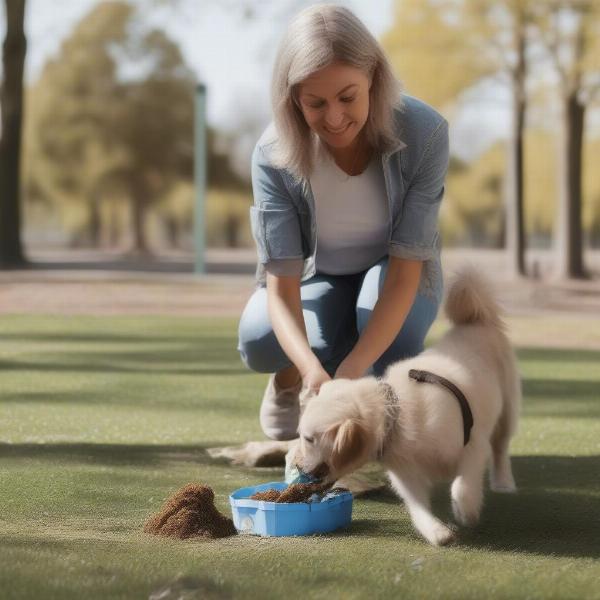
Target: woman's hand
(314,377)
(349,369)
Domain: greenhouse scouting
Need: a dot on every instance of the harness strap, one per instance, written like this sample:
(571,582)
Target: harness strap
(465,409)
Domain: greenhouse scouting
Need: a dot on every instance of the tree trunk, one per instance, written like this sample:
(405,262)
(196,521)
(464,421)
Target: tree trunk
(11,102)
(172,229)
(139,200)
(114,229)
(569,234)
(515,226)
(95,223)
(232,230)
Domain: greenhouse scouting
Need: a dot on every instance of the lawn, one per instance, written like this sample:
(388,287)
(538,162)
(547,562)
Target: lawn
(101,418)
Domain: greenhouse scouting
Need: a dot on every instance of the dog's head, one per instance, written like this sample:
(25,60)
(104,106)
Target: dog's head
(335,436)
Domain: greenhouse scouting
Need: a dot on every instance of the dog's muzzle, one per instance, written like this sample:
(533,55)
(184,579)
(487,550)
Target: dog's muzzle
(320,472)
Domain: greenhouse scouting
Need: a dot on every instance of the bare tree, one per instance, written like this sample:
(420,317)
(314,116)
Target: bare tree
(515,65)
(501,29)
(480,40)
(11,104)
(570,31)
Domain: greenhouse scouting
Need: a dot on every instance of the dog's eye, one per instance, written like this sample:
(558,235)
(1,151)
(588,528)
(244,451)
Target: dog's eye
(309,440)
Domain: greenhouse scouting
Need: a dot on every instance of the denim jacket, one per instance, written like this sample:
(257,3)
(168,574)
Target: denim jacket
(283,216)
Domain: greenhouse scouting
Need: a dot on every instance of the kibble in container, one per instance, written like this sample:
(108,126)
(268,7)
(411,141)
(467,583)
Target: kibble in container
(259,517)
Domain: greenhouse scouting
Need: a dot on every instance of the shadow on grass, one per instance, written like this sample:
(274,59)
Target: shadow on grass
(224,401)
(195,350)
(557,355)
(110,454)
(216,356)
(561,398)
(94,368)
(554,513)
(198,331)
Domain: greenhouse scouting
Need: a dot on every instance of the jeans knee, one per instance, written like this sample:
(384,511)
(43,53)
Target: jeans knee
(253,335)
(254,358)
(266,356)
(250,358)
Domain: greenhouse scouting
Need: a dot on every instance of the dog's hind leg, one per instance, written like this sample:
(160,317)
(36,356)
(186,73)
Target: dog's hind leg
(501,477)
(467,488)
(266,453)
(416,495)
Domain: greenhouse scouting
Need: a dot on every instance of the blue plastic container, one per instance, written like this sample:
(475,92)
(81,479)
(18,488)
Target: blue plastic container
(299,518)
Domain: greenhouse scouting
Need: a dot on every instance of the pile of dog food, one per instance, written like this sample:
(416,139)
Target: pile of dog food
(297,492)
(190,512)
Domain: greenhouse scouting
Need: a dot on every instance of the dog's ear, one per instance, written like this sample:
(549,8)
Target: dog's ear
(349,440)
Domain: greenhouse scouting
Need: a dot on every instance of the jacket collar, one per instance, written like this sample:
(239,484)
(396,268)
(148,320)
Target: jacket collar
(399,146)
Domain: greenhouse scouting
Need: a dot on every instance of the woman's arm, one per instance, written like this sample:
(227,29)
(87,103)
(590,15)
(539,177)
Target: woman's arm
(394,303)
(285,312)
(413,240)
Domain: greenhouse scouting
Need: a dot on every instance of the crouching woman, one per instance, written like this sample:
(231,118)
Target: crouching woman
(347,184)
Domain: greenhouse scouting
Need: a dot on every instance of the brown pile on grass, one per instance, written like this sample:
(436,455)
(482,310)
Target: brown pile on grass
(190,512)
(297,492)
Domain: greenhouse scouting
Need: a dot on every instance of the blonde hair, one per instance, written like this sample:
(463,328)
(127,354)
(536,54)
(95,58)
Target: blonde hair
(318,36)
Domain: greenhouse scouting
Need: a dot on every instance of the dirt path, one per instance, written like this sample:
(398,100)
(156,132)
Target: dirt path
(91,286)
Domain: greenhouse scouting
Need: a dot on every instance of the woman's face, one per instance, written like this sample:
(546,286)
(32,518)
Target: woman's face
(335,103)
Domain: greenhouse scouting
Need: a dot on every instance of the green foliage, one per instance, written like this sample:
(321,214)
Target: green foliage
(441,48)
(227,218)
(472,212)
(110,141)
(570,32)
(591,190)
(95,135)
(226,215)
(427,49)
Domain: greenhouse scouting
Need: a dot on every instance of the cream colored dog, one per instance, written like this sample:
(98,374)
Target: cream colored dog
(416,429)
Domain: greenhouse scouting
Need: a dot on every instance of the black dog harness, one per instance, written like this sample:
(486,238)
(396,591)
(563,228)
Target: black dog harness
(465,409)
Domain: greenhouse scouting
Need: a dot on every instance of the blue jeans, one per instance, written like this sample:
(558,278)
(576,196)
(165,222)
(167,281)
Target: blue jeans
(336,309)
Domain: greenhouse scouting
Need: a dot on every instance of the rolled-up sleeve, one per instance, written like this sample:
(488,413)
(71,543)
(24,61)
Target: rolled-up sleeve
(415,231)
(274,219)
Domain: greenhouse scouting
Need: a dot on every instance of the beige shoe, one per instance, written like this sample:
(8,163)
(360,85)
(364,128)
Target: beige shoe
(280,411)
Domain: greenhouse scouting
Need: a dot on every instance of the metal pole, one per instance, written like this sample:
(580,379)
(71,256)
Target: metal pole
(200,178)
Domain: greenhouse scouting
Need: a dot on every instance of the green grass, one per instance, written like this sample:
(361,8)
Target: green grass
(102,418)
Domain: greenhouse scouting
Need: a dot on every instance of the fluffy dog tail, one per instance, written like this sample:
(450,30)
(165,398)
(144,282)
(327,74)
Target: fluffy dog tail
(471,300)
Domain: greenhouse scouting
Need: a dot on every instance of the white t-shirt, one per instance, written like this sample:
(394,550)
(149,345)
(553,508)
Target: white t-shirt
(352,216)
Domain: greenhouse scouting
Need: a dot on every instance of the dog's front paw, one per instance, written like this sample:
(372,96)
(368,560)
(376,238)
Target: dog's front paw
(503,485)
(441,535)
(464,516)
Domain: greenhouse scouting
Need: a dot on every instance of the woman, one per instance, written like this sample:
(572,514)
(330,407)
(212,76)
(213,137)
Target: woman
(347,184)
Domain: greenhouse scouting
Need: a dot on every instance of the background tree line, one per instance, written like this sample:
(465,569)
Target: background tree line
(108,142)
(547,52)
(108,136)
